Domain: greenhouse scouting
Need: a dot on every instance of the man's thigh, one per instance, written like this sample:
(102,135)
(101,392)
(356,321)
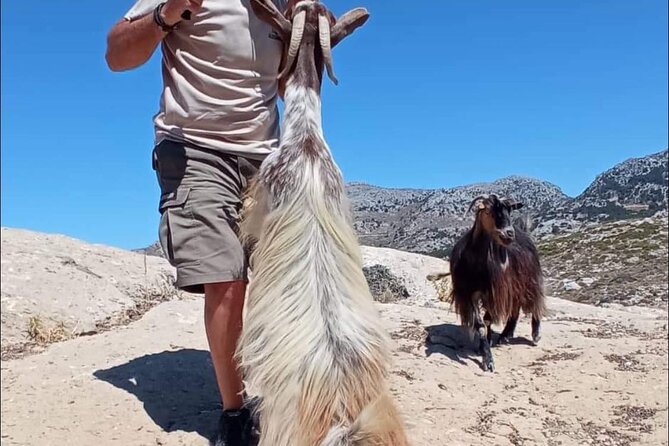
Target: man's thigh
(199,206)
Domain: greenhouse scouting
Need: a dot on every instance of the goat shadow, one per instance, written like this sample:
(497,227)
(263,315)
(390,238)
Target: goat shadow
(454,342)
(451,341)
(178,389)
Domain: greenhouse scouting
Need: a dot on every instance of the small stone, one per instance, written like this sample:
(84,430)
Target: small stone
(570,285)
(587,281)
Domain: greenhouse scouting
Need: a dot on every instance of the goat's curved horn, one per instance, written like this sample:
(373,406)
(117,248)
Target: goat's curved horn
(480,197)
(324,37)
(473,202)
(295,41)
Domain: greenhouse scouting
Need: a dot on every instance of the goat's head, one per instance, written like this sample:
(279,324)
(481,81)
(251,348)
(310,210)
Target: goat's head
(493,216)
(308,26)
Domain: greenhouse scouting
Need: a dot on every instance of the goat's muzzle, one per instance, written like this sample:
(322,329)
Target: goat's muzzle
(506,236)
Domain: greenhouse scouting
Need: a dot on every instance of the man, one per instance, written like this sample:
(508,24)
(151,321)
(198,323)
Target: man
(218,119)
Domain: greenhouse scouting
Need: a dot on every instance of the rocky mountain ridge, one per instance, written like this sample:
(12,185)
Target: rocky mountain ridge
(430,221)
(638,185)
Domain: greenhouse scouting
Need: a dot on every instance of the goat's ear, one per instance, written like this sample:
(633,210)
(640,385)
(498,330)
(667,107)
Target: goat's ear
(268,13)
(513,205)
(346,24)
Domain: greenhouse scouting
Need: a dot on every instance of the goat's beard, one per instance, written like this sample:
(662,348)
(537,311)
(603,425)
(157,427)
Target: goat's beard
(315,62)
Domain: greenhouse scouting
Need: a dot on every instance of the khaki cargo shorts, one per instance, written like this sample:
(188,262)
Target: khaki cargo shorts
(200,201)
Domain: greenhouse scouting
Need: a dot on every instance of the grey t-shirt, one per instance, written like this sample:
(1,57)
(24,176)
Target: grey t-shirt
(219,79)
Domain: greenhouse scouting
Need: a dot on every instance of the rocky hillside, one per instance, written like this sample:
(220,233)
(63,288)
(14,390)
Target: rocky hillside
(637,186)
(430,221)
(623,262)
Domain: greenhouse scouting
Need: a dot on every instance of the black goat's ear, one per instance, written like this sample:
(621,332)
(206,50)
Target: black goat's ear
(512,205)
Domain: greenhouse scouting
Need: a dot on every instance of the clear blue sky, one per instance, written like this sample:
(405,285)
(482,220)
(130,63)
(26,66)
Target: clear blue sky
(432,94)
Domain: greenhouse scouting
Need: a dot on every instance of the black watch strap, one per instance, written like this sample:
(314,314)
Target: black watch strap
(159,19)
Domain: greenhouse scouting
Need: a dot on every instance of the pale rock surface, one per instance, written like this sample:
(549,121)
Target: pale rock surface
(599,375)
(412,268)
(60,279)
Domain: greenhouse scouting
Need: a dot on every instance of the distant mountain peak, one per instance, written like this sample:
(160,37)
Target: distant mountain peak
(632,186)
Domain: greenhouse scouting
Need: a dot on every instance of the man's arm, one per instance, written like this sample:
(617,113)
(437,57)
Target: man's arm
(131,43)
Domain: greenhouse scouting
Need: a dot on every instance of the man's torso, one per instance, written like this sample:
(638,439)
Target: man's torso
(219,74)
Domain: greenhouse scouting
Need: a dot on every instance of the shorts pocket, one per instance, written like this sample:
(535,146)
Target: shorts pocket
(174,198)
(178,229)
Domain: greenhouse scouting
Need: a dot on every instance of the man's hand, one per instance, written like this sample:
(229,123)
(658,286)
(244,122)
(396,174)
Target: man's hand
(173,10)
(131,43)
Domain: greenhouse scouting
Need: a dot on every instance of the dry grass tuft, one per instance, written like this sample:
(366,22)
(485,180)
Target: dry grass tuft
(42,334)
(442,283)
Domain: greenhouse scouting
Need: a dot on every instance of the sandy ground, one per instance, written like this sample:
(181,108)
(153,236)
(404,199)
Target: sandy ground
(599,377)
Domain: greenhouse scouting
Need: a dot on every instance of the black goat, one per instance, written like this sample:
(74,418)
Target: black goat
(495,267)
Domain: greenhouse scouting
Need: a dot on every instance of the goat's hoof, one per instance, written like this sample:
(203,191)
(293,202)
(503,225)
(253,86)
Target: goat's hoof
(502,340)
(489,366)
(535,339)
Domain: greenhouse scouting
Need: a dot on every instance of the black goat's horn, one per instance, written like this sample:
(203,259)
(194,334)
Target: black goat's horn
(480,197)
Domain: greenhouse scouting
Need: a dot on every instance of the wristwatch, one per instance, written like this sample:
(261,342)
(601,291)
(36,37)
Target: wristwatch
(159,20)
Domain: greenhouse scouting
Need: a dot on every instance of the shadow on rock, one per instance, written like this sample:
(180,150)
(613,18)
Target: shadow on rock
(178,389)
(451,341)
(520,341)
(454,342)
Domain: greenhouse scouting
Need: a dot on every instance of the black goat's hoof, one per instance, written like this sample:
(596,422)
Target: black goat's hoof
(488,366)
(535,339)
(503,340)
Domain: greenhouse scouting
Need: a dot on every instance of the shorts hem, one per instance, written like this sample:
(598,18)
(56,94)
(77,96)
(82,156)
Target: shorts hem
(195,283)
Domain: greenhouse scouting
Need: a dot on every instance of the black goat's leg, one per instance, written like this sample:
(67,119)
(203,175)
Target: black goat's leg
(509,328)
(487,320)
(484,345)
(536,330)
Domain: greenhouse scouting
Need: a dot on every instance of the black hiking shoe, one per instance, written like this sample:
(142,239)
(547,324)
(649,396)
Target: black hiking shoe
(234,428)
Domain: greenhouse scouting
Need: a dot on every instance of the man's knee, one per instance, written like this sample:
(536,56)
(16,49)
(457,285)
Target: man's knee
(225,293)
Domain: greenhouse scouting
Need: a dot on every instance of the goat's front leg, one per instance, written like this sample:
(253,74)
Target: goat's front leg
(484,343)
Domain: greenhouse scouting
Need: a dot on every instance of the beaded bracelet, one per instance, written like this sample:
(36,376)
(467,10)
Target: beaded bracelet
(159,20)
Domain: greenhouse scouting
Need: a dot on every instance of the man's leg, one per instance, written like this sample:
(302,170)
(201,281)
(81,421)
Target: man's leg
(200,198)
(223,307)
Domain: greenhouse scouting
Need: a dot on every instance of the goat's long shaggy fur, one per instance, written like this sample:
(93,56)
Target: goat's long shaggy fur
(313,350)
(496,273)
(506,279)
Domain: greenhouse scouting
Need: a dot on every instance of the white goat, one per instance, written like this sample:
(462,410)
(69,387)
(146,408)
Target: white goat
(313,349)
